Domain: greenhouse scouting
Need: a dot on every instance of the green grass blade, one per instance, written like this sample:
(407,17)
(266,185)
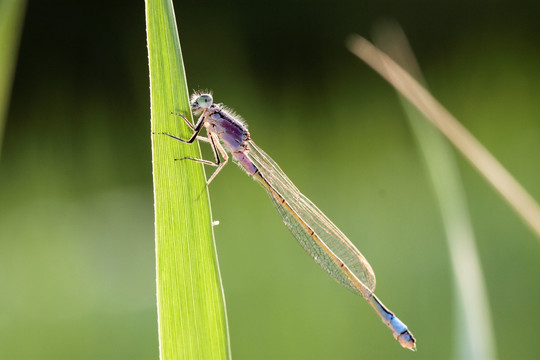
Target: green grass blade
(11,21)
(191,308)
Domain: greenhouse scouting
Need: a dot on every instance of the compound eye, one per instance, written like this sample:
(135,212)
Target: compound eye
(205,101)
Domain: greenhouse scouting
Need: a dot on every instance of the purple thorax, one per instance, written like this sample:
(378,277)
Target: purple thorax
(234,136)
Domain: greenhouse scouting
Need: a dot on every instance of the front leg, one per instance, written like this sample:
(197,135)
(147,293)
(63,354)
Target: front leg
(185,119)
(202,138)
(196,130)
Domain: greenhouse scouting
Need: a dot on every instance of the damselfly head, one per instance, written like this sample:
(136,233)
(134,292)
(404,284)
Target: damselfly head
(201,102)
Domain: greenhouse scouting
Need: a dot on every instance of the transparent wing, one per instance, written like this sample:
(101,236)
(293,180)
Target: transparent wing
(303,210)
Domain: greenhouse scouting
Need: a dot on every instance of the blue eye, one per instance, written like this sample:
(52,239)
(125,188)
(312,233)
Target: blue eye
(205,101)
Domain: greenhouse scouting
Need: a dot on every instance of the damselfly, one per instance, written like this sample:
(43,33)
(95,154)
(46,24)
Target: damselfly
(321,239)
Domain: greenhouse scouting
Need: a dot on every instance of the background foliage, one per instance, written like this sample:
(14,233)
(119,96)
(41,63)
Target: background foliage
(76,221)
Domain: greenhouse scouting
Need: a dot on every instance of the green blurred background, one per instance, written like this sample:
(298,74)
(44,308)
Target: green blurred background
(76,209)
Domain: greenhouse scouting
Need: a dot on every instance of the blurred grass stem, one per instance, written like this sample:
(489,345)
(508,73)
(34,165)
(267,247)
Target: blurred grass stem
(474,333)
(11,22)
(503,182)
